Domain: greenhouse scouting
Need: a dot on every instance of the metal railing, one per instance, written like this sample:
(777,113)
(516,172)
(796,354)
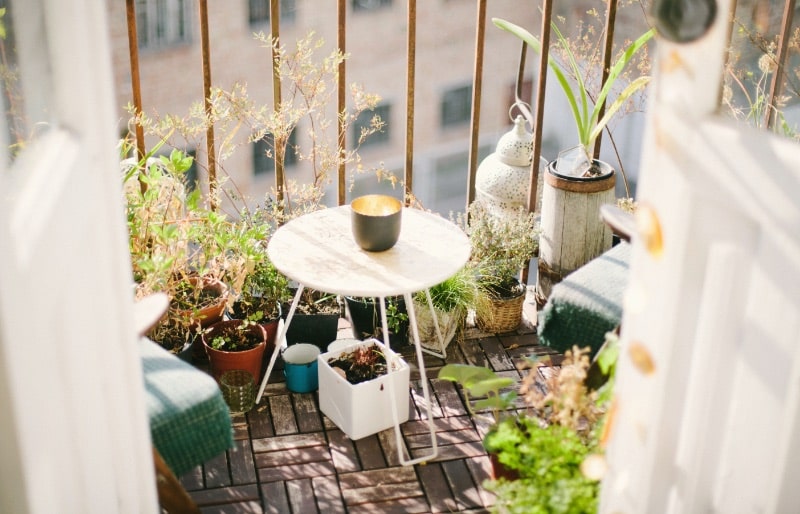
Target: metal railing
(534,115)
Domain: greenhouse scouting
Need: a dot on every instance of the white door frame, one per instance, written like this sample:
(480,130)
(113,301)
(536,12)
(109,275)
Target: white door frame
(74,434)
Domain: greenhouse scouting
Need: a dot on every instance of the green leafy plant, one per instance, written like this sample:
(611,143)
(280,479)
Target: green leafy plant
(483,389)
(394,316)
(587,118)
(361,364)
(549,461)
(501,246)
(555,445)
(236,337)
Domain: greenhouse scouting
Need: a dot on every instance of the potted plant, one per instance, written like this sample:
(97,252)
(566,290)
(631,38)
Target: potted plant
(575,184)
(501,247)
(363,388)
(484,390)
(556,446)
(163,221)
(365,317)
(235,344)
(452,300)
(316,319)
(588,122)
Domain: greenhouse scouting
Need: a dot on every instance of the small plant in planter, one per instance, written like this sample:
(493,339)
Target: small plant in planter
(163,224)
(316,319)
(362,364)
(586,115)
(365,314)
(378,399)
(452,300)
(556,445)
(235,344)
(484,390)
(501,248)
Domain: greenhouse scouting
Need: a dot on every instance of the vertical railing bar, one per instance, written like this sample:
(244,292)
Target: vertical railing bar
(211,153)
(477,86)
(410,81)
(133,51)
(611,17)
(777,80)
(341,85)
(541,86)
(279,154)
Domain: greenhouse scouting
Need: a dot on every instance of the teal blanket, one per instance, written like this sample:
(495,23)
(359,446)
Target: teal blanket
(587,303)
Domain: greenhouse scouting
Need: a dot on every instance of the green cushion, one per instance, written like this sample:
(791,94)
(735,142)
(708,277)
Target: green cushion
(587,303)
(189,420)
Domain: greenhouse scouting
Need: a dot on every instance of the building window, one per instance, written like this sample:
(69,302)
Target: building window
(364,120)
(456,107)
(264,158)
(259,11)
(370,5)
(162,23)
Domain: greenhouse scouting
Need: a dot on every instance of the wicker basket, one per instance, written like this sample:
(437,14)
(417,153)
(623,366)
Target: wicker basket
(506,314)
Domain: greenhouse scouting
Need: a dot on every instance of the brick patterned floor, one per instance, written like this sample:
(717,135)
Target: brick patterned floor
(290,458)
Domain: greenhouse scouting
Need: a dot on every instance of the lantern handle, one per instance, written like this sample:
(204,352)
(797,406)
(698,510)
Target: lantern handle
(523,106)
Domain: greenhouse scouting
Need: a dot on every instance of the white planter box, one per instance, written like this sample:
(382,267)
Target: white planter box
(364,409)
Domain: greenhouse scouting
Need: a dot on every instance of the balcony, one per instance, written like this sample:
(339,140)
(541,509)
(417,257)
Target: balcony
(706,399)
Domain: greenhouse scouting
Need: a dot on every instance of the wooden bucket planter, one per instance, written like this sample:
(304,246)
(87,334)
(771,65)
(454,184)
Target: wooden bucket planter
(572,231)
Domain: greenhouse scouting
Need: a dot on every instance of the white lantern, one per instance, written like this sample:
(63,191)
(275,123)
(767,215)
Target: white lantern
(503,177)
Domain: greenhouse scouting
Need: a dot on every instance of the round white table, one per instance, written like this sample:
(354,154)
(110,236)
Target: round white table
(317,250)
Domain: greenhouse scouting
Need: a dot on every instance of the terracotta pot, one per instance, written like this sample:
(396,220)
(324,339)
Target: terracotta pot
(210,314)
(499,470)
(250,360)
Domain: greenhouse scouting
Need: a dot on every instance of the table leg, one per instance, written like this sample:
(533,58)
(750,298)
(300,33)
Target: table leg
(412,322)
(279,337)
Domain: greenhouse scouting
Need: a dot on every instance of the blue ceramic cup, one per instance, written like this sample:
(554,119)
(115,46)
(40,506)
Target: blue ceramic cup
(300,367)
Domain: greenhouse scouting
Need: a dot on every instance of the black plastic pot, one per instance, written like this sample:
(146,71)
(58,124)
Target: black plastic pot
(365,318)
(317,329)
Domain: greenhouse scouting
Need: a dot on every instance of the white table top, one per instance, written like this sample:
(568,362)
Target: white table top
(318,251)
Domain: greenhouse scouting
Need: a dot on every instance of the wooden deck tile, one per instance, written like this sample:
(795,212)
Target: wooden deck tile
(193,480)
(223,495)
(309,418)
(276,500)
(301,496)
(295,471)
(473,351)
(260,422)
(436,488)
(288,458)
(464,488)
(215,471)
(328,495)
(243,469)
(292,456)
(343,452)
(496,354)
(249,507)
(282,413)
(383,490)
(481,470)
(370,453)
(448,397)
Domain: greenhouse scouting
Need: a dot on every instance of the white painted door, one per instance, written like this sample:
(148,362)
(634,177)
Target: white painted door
(73,431)
(708,391)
